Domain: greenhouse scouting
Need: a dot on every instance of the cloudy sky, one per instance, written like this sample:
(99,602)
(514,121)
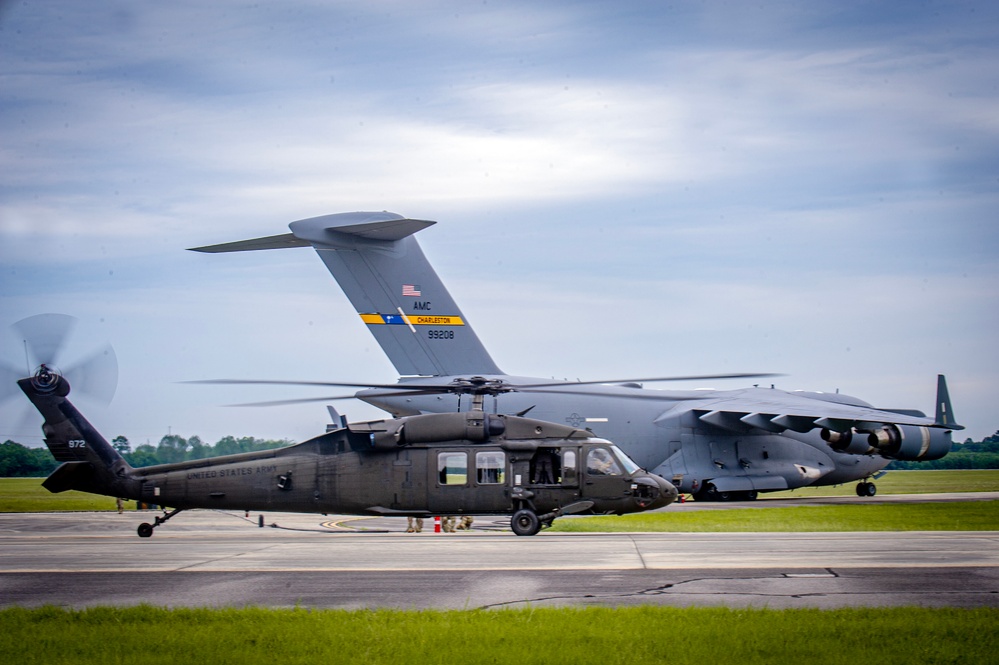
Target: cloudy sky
(622,189)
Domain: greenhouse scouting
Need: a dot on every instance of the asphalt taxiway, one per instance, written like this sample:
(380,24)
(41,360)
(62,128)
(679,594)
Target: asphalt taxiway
(210,558)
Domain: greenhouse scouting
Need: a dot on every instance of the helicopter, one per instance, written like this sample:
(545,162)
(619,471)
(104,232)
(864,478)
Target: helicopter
(468,463)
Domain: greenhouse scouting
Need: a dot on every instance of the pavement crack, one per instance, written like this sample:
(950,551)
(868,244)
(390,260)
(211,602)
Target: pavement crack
(223,558)
(638,551)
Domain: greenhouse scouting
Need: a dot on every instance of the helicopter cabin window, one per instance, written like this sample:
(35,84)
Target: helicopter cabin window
(490,467)
(452,468)
(600,462)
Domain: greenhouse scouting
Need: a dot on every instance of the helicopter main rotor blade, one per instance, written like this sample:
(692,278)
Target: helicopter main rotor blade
(321,384)
(330,398)
(304,400)
(694,377)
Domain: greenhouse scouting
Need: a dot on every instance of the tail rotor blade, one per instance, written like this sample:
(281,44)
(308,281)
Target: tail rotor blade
(44,337)
(96,376)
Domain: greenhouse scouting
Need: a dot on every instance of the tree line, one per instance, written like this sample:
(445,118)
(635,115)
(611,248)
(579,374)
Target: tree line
(20,461)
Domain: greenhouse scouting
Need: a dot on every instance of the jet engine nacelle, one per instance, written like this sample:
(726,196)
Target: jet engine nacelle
(846,442)
(910,443)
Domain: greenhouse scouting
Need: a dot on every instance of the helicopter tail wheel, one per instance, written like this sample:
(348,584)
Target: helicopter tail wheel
(145,529)
(525,522)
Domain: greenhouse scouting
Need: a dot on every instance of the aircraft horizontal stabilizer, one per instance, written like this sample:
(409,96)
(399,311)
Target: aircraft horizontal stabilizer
(329,231)
(270,242)
(69,476)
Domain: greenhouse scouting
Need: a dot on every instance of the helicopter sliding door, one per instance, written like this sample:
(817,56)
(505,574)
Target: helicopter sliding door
(468,481)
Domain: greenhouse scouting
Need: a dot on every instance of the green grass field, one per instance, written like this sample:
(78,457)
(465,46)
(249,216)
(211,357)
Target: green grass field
(26,495)
(591,635)
(951,516)
(911,482)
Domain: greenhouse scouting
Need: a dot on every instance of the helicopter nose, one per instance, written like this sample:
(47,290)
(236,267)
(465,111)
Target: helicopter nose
(667,492)
(657,492)
(670,493)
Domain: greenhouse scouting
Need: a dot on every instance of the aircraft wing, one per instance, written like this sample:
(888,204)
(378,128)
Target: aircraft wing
(776,411)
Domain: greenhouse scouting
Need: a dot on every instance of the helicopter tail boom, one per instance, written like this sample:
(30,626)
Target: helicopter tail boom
(89,462)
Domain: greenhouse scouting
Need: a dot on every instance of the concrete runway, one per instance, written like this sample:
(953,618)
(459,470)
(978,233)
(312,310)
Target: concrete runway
(210,558)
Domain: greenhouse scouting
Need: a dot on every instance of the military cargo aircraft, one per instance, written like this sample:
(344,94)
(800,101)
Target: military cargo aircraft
(715,445)
(468,463)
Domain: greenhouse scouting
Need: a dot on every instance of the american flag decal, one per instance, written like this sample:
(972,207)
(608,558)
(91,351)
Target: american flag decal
(412,290)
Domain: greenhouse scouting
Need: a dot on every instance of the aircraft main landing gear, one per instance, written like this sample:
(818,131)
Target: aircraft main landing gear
(145,529)
(525,522)
(865,488)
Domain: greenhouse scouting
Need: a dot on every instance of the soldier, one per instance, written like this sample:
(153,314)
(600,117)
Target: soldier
(466,523)
(415,524)
(447,524)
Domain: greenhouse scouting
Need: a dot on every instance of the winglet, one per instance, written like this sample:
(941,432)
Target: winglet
(945,413)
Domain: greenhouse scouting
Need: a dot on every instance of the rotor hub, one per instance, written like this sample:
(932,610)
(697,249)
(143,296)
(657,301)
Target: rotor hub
(45,379)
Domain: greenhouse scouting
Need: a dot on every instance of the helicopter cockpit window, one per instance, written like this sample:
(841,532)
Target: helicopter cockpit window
(452,468)
(629,464)
(490,467)
(600,462)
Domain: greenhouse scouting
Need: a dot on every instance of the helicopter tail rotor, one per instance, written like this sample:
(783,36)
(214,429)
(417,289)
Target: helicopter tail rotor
(50,350)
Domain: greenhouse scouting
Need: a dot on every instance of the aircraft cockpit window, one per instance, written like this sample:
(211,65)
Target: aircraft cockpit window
(490,467)
(629,464)
(600,462)
(452,468)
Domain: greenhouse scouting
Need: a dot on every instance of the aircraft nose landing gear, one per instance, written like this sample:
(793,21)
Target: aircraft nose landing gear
(145,529)
(865,488)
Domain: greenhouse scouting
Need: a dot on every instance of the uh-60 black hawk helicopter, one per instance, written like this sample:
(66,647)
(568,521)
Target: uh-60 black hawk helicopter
(468,463)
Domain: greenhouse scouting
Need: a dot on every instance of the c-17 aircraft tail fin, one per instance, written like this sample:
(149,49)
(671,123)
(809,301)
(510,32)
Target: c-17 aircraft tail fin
(945,413)
(385,275)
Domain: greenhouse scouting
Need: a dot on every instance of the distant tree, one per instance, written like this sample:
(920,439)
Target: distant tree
(121,444)
(197,449)
(172,448)
(227,445)
(21,462)
(144,455)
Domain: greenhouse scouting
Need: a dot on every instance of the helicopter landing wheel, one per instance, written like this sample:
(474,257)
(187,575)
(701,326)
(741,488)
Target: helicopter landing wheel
(525,522)
(145,530)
